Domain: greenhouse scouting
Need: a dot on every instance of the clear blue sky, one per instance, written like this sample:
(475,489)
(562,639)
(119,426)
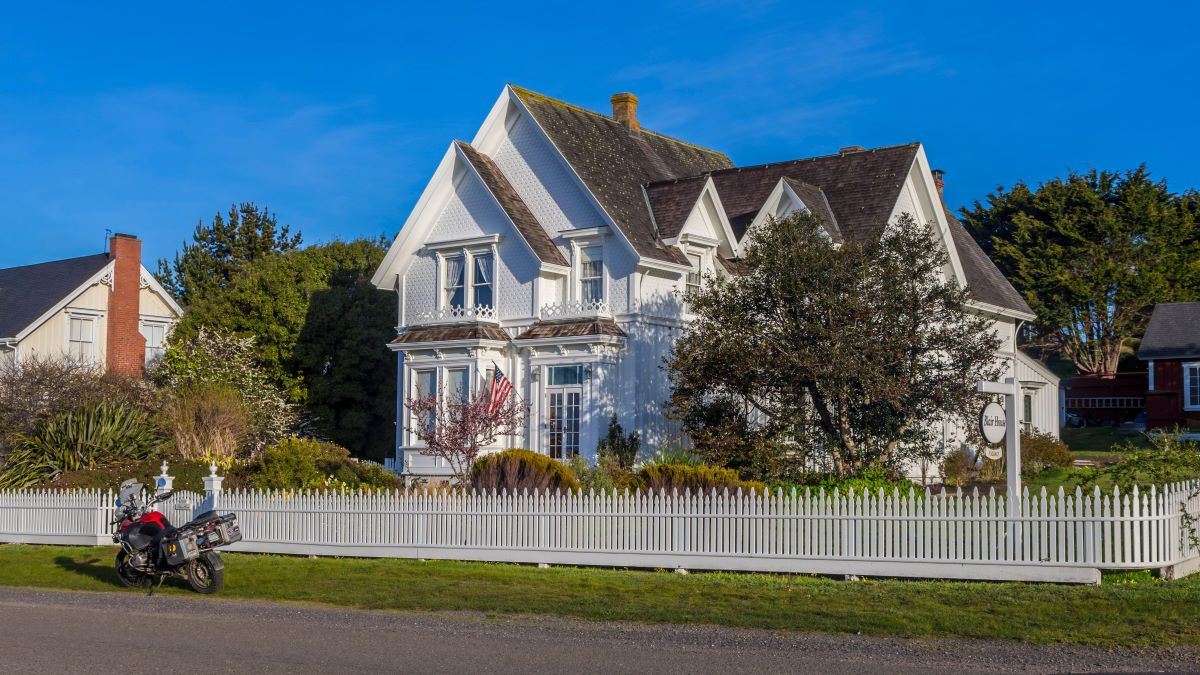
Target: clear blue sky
(147,117)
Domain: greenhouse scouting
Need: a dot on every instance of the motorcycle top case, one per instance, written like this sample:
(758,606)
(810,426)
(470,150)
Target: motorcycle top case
(181,549)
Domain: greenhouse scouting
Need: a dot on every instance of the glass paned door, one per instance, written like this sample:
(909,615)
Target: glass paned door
(562,421)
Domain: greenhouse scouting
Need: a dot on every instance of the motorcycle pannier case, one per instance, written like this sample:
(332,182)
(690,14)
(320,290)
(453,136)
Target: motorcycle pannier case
(181,549)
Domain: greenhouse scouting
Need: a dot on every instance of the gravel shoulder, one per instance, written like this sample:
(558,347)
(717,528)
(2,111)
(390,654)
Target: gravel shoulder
(58,631)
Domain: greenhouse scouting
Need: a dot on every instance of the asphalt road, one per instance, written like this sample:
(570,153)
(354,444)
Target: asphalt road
(63,632)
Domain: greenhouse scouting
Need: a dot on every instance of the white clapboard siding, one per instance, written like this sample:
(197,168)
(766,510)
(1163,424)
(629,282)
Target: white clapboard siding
(1060,536)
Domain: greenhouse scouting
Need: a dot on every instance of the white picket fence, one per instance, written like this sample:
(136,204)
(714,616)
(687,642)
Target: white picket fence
(1064,537)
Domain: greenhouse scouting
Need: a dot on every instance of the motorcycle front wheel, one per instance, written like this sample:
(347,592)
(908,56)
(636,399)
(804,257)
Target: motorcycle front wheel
(205,577)
(127,575)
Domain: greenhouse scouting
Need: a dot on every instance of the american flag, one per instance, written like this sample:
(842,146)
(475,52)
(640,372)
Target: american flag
(501,388)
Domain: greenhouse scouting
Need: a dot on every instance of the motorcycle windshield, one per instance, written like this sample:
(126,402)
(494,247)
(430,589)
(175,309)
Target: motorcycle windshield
(130,490)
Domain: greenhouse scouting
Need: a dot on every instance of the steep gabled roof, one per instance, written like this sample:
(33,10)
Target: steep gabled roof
(672,203)
(1173,332)
(28,292)
(518,212)
(816,201)
(861,187)
(614,165)
(985,282)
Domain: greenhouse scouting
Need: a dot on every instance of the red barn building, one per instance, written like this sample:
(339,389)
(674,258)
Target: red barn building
(1171,348)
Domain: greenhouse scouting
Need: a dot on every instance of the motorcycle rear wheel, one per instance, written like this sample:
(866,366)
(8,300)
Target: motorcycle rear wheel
(127,575)
(204,577)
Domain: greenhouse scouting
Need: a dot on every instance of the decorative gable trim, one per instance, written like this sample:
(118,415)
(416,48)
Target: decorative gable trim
(148,282)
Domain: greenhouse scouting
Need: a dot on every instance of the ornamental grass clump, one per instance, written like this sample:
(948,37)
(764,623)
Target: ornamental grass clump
(519,469)
(87,437)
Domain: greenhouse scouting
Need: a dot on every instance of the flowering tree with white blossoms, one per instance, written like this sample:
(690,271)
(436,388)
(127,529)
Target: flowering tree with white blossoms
(456,428)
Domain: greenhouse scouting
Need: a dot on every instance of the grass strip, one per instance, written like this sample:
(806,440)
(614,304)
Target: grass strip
(1130,609)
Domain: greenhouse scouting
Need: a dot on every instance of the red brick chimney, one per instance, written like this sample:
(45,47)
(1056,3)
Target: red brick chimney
(625,111)
(126,354)
(939,183)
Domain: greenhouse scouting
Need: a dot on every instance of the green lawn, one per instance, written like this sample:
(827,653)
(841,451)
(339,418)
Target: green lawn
(1129,609)
(1092,441)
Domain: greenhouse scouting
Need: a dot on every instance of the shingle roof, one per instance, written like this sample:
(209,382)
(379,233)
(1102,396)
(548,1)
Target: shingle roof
(672,203)
(985,282)
(1173,332)
(28,292)
(447,333)
(614,165)
(861,187)
(816,201)
(572,328)
(518,212)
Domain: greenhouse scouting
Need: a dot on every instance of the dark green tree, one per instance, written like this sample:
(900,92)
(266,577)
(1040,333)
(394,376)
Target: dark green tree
(320,330)
(1092,255)
(848,354)
(218,251)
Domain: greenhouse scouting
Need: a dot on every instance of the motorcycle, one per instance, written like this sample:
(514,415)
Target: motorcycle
(152,550)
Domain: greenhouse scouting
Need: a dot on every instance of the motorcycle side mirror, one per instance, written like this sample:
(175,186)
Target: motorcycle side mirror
(161,482)
(118,504)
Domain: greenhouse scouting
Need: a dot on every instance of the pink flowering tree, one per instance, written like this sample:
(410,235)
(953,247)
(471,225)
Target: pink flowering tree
(455,428)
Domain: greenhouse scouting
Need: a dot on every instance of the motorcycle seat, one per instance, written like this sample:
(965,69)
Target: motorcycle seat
(203,518)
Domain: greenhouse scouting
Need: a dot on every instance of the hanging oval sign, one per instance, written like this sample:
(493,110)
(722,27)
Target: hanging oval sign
(992,423)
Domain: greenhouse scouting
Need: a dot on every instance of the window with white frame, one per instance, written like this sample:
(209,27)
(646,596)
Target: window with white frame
(156,340)
(481,280)
(1027,411)
(425,384)
(81,339)
(454,287)
(692,282)
(1191,386)
(591,274)
(458,384)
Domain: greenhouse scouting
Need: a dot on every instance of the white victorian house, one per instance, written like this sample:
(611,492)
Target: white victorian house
(556,243)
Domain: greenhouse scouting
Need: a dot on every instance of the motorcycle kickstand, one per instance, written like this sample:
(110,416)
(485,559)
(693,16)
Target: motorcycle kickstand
(155,587)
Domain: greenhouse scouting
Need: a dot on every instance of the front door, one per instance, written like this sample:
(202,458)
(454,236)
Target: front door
(564,395)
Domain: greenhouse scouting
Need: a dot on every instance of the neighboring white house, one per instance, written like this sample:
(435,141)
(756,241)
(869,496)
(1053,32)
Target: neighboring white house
(554,245)
(104,310)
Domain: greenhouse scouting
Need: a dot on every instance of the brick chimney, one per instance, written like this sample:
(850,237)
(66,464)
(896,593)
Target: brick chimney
(126,353)
(939,183)
(625,111)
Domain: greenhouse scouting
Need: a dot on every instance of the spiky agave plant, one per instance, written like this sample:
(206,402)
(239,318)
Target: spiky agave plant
(86,437)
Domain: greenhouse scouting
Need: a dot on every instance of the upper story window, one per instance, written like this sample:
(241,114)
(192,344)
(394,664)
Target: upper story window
(81,340)
(481,282)
(591,274)
(693,277)
(454,287)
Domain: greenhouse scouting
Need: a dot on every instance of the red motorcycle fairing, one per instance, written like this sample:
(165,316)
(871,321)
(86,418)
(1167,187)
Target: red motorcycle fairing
(155,518)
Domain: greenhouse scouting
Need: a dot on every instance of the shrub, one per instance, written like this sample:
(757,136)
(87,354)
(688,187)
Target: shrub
(1042,451)
(676,456)
(661,477)
(624,447)
(608,475)
(521,469)
(36,389)
(307,463)
(87,437)
(207,421)
(216,359)
(957,468)
(872,480)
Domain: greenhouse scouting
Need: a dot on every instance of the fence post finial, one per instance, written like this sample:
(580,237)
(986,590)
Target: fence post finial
(164,481)
(212,482)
